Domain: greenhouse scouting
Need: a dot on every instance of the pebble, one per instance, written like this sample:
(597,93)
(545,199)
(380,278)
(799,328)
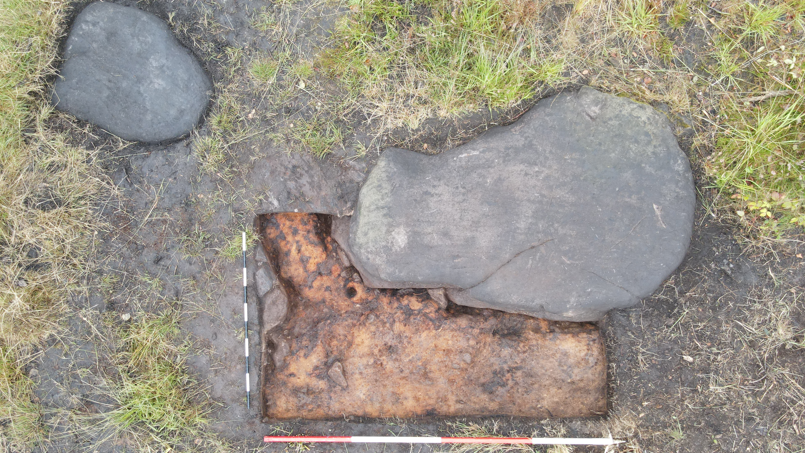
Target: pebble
(336,373)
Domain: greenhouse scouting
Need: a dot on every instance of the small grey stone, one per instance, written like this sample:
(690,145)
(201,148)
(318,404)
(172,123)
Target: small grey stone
(21,283)
(263,280)
(336,373)
(439,296)
(281,349)
(583,205)
(275,307)
(260,255)
(466,357)
(342,255)
(125,72)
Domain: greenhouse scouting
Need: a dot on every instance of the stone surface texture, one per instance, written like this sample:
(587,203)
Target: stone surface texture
(125,72)
(583,205)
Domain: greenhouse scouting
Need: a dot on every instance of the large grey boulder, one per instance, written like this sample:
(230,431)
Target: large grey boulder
(125,72)
(583,205)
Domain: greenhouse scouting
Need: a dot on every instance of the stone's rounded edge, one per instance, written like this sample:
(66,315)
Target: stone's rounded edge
(205,86)
(465,298)
(66,97)
(684,198)
(595,104)
(357,235)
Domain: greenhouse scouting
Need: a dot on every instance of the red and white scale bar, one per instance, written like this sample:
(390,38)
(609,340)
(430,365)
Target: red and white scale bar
(445,440)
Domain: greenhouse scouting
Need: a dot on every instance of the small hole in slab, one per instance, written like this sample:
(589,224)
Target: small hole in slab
(351,292)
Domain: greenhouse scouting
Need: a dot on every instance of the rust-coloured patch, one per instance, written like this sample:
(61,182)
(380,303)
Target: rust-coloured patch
(345,349)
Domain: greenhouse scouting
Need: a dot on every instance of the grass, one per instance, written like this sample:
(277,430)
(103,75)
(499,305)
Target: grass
(264,21)
(758,139)
(48,191)
(491,428)
(195,242)
(727,54)
(761,20)
(20,415)
(211,152)
(156,398)
(49,194)
(264,70)
(302,70)
(404,61)
(233,247)
(318,136)
(227,123)
(760,159)
(679,15)
(750,375)
(451,59)
(485,429)
(638,18)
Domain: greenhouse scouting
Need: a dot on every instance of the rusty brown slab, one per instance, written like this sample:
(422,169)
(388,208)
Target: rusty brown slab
(347,350)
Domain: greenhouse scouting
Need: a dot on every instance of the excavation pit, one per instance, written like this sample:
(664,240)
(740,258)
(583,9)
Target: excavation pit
(333,347)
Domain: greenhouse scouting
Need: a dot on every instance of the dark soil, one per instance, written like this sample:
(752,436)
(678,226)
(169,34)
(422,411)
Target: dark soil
(169,223)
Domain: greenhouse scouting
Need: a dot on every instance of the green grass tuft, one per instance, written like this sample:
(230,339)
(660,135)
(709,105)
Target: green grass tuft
(761,158)
(727,54)
(317,136)
(679,15)
(264,70)
(637,18)
(155,395)
(211,153)
(760,20)
(302,70)
(264,21)
(233,249)
(451,60)
(20,416)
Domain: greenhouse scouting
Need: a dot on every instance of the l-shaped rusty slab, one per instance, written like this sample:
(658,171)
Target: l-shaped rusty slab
(333,347)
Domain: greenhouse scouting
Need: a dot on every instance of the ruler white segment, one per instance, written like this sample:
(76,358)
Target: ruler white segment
(578,441)
(396,440)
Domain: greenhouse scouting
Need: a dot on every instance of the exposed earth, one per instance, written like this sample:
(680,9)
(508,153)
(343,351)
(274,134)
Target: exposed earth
(173,220)
(346,349)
